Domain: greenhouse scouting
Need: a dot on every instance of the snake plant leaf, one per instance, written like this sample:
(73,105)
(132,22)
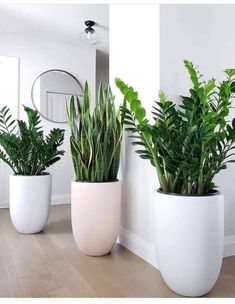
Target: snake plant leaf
(95,139)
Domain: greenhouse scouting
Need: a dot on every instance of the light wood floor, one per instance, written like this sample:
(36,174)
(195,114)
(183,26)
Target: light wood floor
(48,264)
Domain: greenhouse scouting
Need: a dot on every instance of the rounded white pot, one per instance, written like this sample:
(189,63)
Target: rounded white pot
(96,209)
(189,241)
(30,199)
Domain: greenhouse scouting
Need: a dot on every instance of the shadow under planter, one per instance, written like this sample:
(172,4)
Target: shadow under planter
(96,209)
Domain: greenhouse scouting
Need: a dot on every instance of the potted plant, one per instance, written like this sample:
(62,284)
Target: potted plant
(96,192)
(28,153)
(188,144)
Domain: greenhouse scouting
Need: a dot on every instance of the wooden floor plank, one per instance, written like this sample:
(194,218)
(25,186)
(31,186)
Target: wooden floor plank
(62,292)
(49,264)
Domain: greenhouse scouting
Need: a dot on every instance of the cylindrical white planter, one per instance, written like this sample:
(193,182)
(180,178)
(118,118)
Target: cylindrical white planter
(189,241)
(96,211)
(30,199)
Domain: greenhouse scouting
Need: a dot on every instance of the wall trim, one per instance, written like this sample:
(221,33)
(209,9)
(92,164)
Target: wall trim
(58,199)
(4,205)
(138,246)
(146,250)
(229,245)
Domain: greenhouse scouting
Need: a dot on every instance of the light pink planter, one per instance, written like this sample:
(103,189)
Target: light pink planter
(96,209)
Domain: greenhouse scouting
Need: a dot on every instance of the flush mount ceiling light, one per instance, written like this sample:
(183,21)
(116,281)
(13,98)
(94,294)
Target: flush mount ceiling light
(89,36)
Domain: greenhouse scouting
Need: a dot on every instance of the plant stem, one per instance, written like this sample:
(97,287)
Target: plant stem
(189,186)
(162,180)
(200,177)
(175,180)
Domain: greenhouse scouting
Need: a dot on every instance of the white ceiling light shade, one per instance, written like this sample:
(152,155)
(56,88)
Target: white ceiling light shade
(89,35)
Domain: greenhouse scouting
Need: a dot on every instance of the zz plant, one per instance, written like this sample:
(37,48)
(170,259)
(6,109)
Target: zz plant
(95,137)
(189,143)
(24,148)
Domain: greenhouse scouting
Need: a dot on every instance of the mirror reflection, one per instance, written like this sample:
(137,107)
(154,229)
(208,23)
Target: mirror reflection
(50,92)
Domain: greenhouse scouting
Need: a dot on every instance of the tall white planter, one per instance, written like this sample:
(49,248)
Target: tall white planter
(30,199)
(96,211)
(189,241)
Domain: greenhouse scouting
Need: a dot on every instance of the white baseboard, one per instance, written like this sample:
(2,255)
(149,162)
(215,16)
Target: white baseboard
(4,205)
(229,245)
(61,199)
(58,199)
(146,251)
(138,245)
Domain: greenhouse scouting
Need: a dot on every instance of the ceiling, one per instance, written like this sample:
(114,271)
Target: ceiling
(62,22)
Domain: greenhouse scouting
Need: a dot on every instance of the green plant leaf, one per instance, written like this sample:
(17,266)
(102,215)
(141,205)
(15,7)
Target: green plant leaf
(189,143)
(96,137)
(27,151)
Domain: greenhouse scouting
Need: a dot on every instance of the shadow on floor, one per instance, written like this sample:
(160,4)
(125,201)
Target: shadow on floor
(57,227)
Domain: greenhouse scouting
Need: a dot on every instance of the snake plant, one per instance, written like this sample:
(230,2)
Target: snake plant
(96,136)
(189,143)
(24,148)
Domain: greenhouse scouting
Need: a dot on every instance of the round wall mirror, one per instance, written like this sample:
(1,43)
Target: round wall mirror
(50,92)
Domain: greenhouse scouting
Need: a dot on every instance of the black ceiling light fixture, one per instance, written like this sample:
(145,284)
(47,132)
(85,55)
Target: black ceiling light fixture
(89,35)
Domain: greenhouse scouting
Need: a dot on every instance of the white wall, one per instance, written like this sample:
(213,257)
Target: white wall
(36,56)
(102,68)
(134,58)
(193,32)
(9,95)
(205,35)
